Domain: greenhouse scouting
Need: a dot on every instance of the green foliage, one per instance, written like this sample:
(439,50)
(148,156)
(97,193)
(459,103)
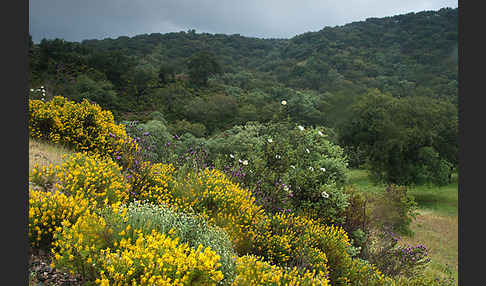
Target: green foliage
(433,168)
(394,210)
(406,141)
(101,92)
(285,167)
(182,126)
(166,74)
(201,66)
(215,111)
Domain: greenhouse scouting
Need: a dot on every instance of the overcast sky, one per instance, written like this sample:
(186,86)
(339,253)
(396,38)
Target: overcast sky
(77,20)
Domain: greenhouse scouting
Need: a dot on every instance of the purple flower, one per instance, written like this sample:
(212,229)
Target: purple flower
(118,157)
(146,133)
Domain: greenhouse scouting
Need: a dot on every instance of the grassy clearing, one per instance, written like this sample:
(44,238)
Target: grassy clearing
(442,200)
(439,233)
(436,226)
(43,153)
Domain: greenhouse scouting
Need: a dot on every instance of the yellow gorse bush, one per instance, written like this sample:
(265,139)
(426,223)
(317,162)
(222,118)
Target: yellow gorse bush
(254,271)
(89,248)
(96,178)
(210,194)
(47,211)
(83,126)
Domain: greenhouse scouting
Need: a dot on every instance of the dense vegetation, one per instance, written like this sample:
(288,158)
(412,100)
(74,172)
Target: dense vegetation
(248,141)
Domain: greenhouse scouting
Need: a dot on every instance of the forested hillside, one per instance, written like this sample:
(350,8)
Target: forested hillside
(411,54)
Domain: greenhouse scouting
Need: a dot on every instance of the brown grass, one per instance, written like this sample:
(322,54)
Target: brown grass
(439,233)
(44,154)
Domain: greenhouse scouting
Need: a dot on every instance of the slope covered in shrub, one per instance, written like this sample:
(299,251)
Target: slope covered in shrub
(202,220)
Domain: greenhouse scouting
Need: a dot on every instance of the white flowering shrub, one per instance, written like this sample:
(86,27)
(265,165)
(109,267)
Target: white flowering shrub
(287,167)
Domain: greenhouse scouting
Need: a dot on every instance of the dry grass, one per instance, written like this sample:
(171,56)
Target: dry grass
(43,154)
(439,232)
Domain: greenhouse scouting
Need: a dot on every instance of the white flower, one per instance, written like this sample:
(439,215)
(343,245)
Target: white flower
(31,89)
(301,127)
(232,156)
(324,195)
(245,162)
(239,160)
(277,156)
(307,150)
(320,133)
(286,188)
(42,87)
(311,168)
(269,140)
(284,102)
(292,166)
(323,169)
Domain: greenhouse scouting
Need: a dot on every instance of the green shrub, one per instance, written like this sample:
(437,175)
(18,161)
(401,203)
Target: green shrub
(431,168)
(394,210)
(405,141)
(285,167)
(395,260)
(180,127)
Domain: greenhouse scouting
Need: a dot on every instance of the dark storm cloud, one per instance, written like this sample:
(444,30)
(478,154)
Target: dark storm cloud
(76,20)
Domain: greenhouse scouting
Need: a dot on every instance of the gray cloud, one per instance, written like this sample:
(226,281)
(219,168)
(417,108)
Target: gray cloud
(75,20)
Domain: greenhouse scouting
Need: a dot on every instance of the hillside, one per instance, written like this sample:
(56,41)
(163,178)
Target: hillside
(262,204)
(413,54)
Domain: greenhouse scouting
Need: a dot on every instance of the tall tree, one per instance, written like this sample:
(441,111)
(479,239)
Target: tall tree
(201,66)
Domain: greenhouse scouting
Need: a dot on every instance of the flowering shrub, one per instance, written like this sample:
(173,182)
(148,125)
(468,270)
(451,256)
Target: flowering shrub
(88,248)
(92,177)
(285,167)
(289,240)
(254,271)
(360,272)
(83,126)
(188,228)
(394,259)
(47,210)
(209,193)
(282,239)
